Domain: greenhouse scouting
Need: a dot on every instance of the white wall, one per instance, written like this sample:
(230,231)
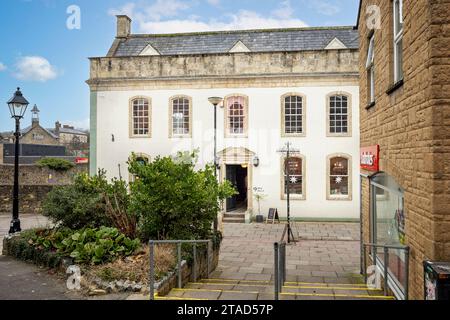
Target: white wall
(264,139)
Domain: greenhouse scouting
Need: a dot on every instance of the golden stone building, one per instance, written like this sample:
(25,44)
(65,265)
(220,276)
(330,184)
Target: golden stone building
(405,112)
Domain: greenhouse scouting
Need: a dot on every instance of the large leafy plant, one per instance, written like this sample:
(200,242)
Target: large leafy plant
(173,200)
(90,246)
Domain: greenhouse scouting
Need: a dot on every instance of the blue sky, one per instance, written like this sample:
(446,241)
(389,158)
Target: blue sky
(50,62)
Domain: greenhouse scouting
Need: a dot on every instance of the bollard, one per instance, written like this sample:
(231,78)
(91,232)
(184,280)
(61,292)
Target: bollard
(180,282)
(276,265)
(152,270)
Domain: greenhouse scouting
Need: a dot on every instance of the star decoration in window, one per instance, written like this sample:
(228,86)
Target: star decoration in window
(338,180)
(294,180)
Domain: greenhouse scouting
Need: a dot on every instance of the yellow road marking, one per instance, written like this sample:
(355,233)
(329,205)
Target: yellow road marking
(290,287)
(288,282)
(214,290)
(332,288)
(178,298)
(335,295)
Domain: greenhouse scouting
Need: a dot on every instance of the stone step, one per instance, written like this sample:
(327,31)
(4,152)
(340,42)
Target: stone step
(234,215)
(234,220)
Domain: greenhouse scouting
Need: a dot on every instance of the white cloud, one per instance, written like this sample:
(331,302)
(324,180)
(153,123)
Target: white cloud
(2,67)
(35,68)
(213,2)
(285,11)
(156,11)
(148,21)
(325,7)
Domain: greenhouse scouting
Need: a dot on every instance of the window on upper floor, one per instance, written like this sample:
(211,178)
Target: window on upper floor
(339,115)
(398,40)
(293,171)
(339,177)
(236,116)
(180,117)
(140,110)
(293,115)
(370,67)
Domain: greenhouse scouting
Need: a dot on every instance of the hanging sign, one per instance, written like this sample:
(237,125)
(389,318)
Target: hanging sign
(370,158)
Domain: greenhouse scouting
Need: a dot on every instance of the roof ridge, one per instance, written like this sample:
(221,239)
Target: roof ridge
(147,35)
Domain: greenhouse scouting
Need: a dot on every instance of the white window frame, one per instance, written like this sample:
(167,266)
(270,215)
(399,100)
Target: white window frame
(370,67)
(398,40)
(172,133)
(303,115)
(132,117)
(348,114)
(243,99)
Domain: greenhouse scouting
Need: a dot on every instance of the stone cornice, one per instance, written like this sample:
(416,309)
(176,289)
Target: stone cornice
(223,67)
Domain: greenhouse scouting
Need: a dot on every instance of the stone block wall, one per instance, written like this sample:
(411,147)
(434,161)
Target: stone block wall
(411,124)
(34,184)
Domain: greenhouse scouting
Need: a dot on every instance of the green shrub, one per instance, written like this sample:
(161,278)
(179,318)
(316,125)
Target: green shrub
(93,246)
(173,201)
(55,164)
(91,202)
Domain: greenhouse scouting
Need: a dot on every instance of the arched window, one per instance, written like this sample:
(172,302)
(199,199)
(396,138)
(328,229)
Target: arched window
(236,116)
(293,115)
(140,110)
(339,177)
(295,181)
(339,115)
(180,117)
(142,159)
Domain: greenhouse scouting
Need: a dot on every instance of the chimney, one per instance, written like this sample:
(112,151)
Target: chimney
(123,26)
(57,127)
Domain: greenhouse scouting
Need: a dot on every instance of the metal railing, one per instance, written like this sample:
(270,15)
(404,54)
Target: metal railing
(194,244)
(385,264)
(279,267)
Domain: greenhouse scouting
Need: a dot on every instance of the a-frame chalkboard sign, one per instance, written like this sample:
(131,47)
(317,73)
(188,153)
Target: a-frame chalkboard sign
(273,215)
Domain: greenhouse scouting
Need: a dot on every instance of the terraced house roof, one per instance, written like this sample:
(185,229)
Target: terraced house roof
(273,40)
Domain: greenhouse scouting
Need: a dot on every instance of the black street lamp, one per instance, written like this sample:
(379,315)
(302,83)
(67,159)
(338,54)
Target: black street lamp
(17,106)
(215,101)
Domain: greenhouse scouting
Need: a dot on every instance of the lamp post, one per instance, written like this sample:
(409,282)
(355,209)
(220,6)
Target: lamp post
(215,101)
(288,150)
(17,107)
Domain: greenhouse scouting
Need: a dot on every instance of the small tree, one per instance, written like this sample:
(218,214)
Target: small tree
(259,197)
(172,200)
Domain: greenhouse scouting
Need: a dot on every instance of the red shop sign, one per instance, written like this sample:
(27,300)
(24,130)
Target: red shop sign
(81,160)
(370,158)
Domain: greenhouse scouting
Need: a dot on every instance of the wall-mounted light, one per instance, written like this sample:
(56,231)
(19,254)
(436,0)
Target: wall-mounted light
(256,161)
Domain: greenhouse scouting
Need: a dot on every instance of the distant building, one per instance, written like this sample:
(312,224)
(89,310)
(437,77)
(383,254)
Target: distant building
(36,134)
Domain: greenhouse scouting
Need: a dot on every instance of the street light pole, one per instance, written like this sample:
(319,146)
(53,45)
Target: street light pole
(15,223)
(215,101)
(17,107)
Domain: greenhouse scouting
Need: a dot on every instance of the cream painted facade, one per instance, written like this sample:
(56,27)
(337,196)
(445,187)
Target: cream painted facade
(264,139)
(261,75)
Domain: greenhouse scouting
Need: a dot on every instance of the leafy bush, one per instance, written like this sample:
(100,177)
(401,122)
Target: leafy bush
(78,205)
(172,200)
(91,202)
(88,245)
(55,164)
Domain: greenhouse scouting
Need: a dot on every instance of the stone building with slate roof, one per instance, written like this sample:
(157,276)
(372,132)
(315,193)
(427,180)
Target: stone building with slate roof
(149,95)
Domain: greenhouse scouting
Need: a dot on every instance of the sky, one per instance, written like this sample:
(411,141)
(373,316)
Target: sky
(45,44)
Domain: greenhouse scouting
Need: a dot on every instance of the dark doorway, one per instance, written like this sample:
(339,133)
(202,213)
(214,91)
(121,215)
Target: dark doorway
(237,175)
